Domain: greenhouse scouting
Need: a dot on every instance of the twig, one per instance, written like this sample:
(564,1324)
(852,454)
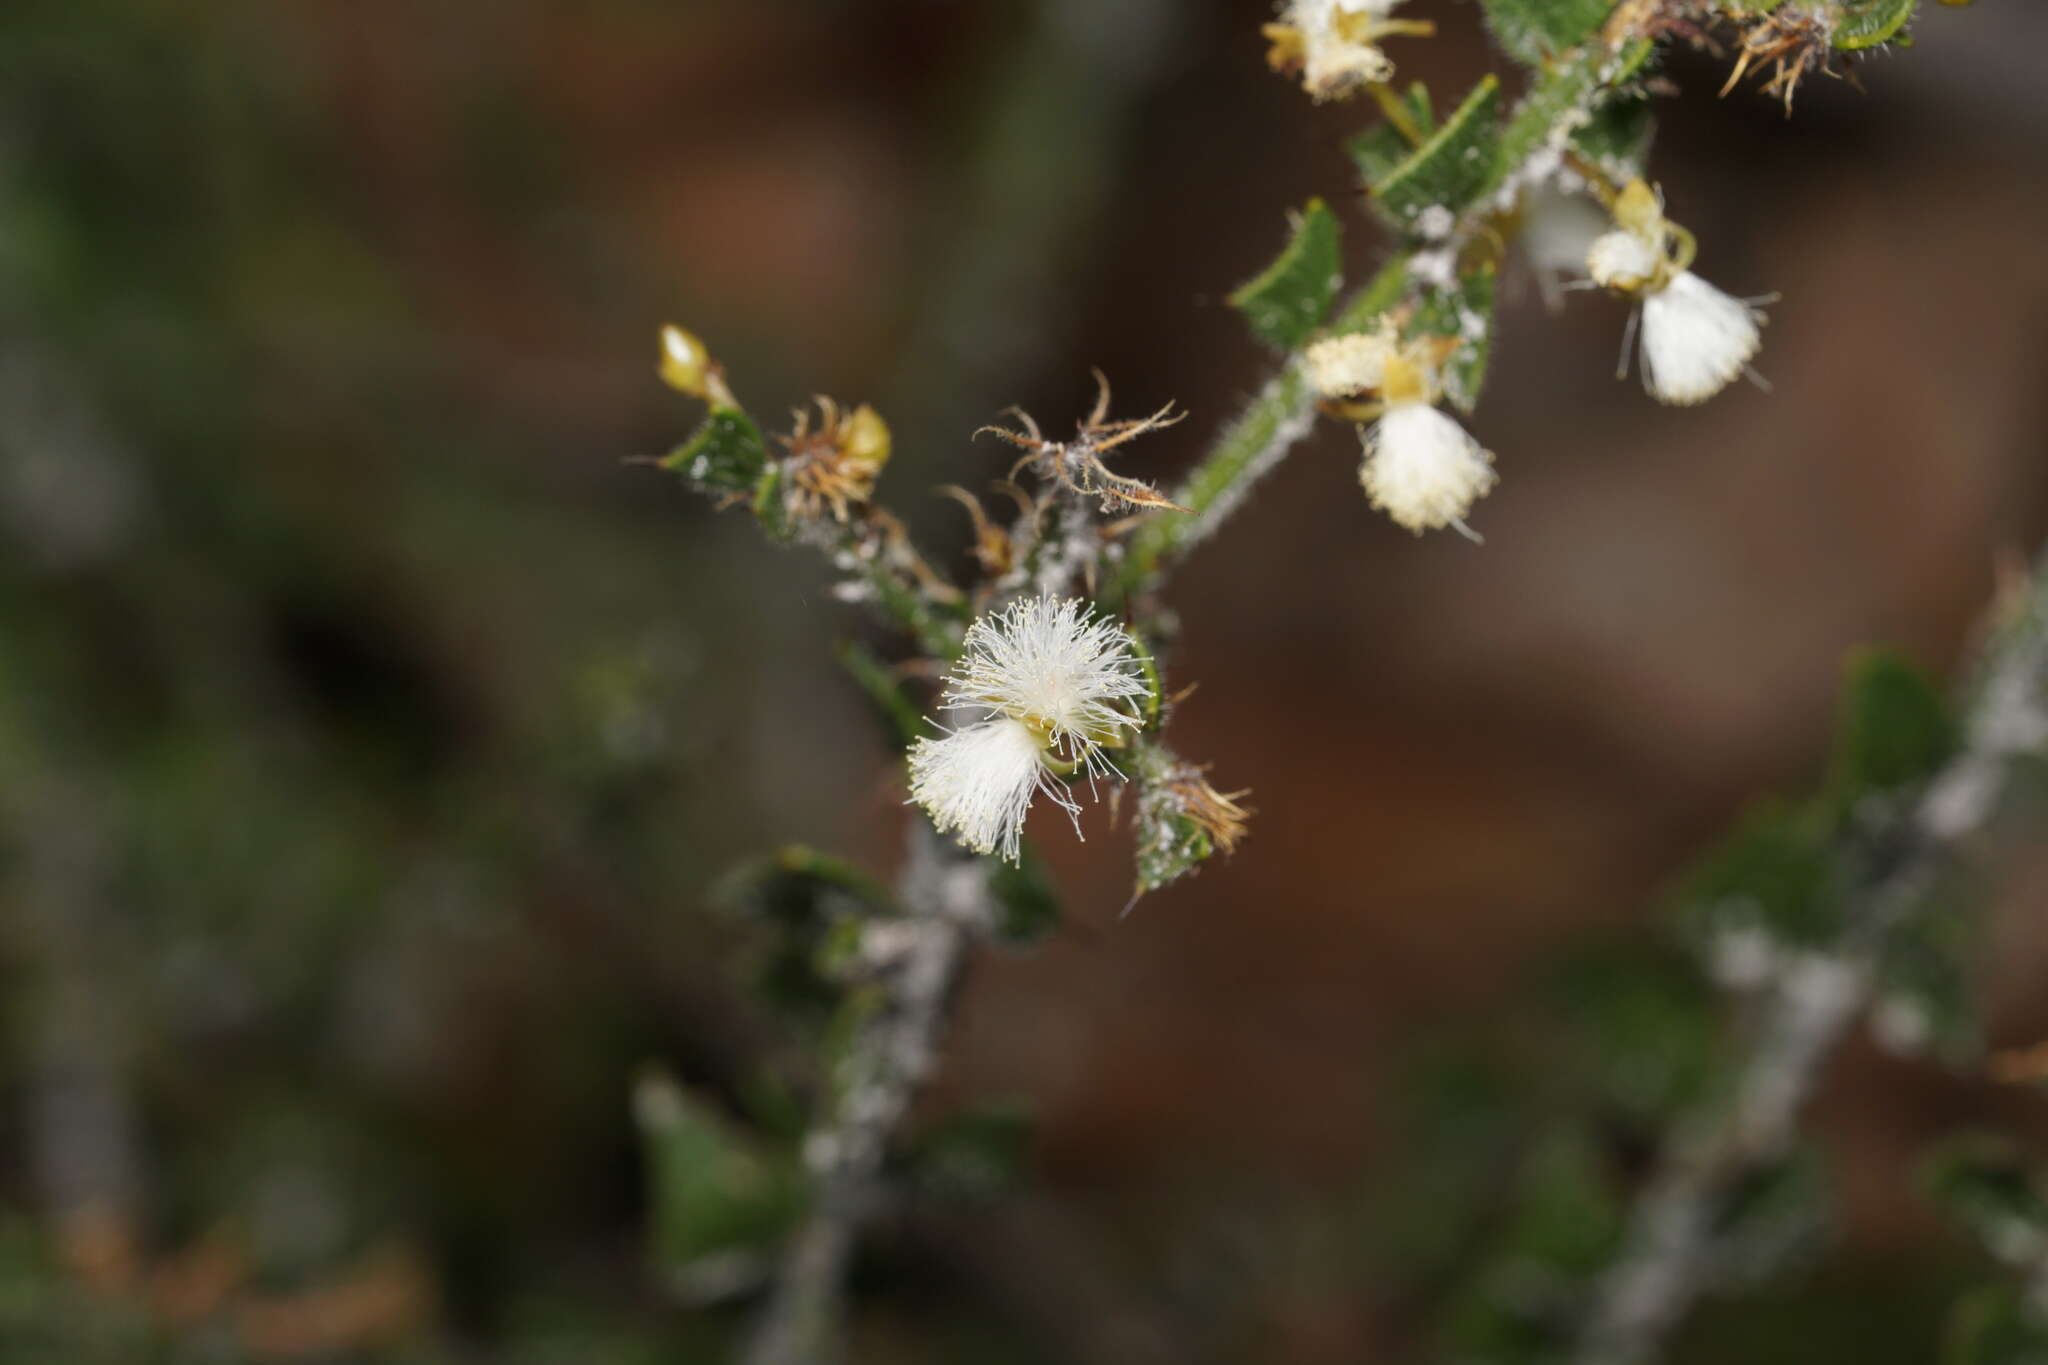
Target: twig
(945,897)
(1668,1254)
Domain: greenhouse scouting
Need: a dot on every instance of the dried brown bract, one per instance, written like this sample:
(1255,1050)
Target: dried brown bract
(1791,41)
(1076,465)
(1217,814)
(836,465)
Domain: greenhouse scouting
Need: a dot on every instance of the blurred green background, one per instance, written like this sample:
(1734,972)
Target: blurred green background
(372,731)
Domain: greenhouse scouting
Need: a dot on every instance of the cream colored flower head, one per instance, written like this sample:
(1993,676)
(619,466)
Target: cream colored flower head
(1334,44)
(1047,686)
(1421,468)
(1342,366)
(1695,338)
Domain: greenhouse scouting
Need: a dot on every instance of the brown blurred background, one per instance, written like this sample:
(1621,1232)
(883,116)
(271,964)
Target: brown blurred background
(372,729)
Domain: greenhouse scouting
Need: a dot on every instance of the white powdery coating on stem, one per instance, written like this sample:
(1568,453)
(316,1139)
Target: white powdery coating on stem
(1695,339)
(1423,469)
(977,783)
(1341,366)
(1051,663)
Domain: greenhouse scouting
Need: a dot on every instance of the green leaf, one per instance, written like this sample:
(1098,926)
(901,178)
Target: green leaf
(1926,1001)
(1466,314)
(1774,874)
(1617,140)
(1530,30)
(1642,1027)
(727,455)
(1030,906)
(1450,169)
(1772,1216)
(1291,297)
(1995,1325)
(1895,728)
(1982,1182)
(712,1193)
(1866,23)
(815,904)
(977,1155)
(1177,828)
(1382,146)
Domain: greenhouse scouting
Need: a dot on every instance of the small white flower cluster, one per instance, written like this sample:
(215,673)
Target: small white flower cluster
(1335,43)
(1421,468)
(1695,339)
(1048,684)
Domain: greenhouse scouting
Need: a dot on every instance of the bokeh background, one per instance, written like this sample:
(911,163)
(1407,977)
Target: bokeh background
(373,731)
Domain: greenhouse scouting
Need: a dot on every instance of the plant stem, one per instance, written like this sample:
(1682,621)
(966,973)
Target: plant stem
(945,897)
(1668,1253)
(1251,446)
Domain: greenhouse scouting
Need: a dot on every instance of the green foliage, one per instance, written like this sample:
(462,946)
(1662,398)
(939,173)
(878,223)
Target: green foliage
(1618,137)
(1564,1221)
(1773,1217)
(711,1194)
(1451,168)
(975,1155)
(1996,1325)
(1982,1182)
(1531,30)
(1895,729)
(726,455)
(1555,101)
(1289,299)
(1383,146)
(1177,825)
(1925,978)
(1465,313)
(813,904)
(1643,1029)
(1867,23)
(1774,874)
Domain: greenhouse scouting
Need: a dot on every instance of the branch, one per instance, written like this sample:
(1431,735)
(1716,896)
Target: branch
(1668,1260)
(946,898)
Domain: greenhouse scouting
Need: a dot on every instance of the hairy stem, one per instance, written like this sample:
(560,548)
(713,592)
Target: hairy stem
(1668,1254)
(946,898)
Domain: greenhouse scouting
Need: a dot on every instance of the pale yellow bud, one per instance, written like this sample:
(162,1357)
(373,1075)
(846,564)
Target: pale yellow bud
(864,438)
(685,363)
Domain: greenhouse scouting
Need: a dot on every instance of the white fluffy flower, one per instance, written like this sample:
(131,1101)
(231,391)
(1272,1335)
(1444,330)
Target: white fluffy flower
(1423,469)
(1047,682)
(1695,339)
(1335,43)
(978,783)
(1341,366)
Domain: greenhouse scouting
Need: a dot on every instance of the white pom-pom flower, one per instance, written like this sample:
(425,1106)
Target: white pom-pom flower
(1339,367)
(1048,685)
(1695,338)
(1334,44)
(977,783)
(1421,468)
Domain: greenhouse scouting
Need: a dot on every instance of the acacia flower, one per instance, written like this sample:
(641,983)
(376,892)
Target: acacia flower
(1341,366)
(1048,685)
(1421,468)
(1334,44)
(1695,339)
